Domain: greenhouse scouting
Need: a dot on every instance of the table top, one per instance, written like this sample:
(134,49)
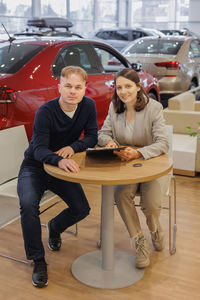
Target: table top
(111,170)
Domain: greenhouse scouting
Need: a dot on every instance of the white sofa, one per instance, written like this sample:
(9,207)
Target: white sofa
(184,111)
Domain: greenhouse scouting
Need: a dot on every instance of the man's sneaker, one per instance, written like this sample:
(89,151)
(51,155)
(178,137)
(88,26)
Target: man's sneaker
(142,253)
(158,240)
(54,241)
(40,277)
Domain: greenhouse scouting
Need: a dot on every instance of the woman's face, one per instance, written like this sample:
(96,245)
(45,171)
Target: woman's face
(126,90)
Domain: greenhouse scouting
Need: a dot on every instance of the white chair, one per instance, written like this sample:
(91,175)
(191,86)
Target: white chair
(167,193)
(172,209)
(13,143)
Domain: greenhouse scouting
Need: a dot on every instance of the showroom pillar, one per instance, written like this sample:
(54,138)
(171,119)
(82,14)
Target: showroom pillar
(36,8)
(172,15)
(124,12)
(68,9)
(194,16)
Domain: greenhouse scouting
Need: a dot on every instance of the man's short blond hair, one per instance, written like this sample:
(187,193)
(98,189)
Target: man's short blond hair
(74,70)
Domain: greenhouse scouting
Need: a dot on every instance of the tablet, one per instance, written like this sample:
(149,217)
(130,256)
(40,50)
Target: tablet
(103,150)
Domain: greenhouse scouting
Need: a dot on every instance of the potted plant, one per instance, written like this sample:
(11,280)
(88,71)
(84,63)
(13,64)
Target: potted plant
(194,133)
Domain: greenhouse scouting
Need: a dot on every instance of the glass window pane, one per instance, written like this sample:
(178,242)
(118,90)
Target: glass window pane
(106,10)
(162,14)
(15,12)
(16,8)
(53,8)
(122,35)
(81,15)
(110,63)
(194,49)
(14,56)
(155,47)
(78,55)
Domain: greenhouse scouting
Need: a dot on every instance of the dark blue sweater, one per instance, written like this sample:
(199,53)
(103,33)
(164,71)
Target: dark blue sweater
(53,129)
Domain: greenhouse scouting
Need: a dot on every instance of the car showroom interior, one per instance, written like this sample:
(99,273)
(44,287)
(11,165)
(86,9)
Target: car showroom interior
(100,149)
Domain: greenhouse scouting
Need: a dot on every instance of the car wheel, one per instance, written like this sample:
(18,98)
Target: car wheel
(193,85)
(153,96)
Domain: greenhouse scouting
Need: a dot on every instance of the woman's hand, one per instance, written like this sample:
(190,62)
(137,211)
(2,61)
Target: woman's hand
(128,154)
(68,165)
(65,152)
(111,144)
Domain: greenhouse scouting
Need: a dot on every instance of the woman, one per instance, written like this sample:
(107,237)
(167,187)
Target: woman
(134,119)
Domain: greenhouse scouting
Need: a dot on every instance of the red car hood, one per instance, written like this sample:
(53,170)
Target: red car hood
(4,76)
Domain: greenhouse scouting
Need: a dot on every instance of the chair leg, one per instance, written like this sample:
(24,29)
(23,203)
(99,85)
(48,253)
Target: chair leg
(16,259)
(75,233)
(99,241)
(172,244)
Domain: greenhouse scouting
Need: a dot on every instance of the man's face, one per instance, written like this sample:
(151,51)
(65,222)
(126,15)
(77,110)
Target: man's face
(72,89)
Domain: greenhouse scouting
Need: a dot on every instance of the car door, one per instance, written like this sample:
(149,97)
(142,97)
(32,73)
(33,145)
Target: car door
(194,54)
(135,34)
(109,62)
(96,60)
(81,54)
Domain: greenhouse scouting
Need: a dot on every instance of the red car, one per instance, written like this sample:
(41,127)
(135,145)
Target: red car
(30,70)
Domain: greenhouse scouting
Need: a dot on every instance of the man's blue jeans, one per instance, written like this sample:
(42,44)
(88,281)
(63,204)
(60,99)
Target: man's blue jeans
(32,183)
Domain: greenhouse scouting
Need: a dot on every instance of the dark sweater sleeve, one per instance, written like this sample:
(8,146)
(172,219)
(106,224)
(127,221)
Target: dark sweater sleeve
(41,140)
(90,130)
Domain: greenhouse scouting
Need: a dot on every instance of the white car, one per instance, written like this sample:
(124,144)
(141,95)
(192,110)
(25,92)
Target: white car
(173,60)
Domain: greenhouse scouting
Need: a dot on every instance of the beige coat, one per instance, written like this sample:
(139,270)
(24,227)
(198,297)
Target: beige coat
(147,132)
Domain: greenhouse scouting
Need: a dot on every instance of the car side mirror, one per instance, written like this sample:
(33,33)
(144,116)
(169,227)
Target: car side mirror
(136,66)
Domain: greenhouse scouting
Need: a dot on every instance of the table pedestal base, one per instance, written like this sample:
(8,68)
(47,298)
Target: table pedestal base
(88,270)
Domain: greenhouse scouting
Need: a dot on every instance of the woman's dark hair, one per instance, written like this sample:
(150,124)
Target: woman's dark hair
(142,97)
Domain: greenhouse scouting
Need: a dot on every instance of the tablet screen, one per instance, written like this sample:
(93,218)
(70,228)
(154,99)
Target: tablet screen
(103,150)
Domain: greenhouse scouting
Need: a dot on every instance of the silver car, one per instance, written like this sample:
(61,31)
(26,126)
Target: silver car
(173,60)
(120,37)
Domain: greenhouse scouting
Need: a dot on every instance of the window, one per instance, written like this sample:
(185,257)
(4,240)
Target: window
(155,46)
(109,61)
(194,49)
(121,35)
(163,14)
(55,8)
(106,35)
(137,34)
(14,56)
(77,55)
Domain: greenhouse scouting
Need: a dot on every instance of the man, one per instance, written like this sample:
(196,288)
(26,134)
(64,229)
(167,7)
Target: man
(57,128)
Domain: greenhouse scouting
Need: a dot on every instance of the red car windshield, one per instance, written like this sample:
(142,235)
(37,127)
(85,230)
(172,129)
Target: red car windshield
(14,56)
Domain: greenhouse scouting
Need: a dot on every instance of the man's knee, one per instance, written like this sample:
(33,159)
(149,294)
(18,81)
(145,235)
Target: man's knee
(86,211)
(83,213)
(29,204)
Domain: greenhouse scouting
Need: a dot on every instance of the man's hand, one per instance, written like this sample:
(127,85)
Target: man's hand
(128,154)
(68,165)
(65,152)
(111,144)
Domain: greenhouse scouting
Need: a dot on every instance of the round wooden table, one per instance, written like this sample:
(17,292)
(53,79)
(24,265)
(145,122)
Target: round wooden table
(107,268)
